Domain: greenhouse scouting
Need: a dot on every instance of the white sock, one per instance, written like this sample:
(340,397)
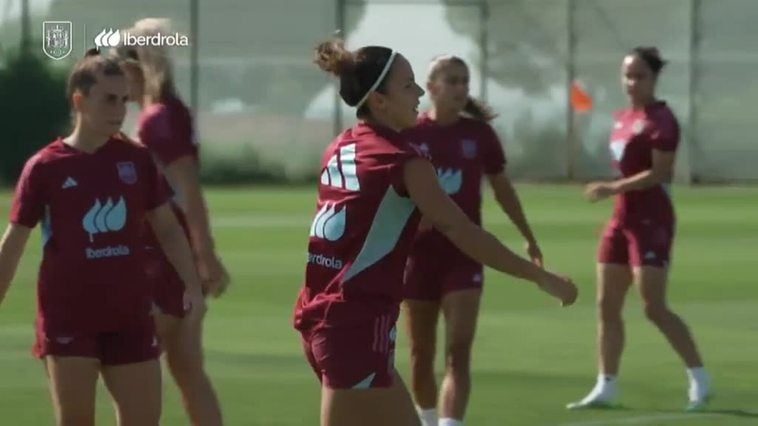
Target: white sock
(605,388)
(447,421)
(428,417)
(699,383)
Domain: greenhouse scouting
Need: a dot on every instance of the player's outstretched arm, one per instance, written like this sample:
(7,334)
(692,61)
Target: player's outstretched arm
(11,249)
(184,174)
(177,249)
(420,179)
(506,196)
(662,171)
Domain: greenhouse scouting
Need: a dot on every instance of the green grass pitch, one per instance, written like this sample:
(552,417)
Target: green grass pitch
(530,357)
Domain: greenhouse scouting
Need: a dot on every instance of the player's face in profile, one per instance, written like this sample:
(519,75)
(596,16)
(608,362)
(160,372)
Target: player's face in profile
(135,80)
(402,97)
(637,79)
(450,88)
(105,107)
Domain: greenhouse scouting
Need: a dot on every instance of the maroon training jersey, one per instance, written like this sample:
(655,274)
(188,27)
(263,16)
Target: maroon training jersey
(362,230)
(636,133)
(463,153)
(166,129)
(93,208)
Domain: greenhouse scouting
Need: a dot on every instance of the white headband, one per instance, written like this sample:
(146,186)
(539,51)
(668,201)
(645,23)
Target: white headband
(378,80)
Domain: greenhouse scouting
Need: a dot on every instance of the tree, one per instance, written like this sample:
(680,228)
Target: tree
(34,110)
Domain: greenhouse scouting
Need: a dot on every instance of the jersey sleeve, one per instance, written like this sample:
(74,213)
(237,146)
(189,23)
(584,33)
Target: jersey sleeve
(29,201)
(664,132)
(157,189)
(397,175)
(156,132)
(493,156)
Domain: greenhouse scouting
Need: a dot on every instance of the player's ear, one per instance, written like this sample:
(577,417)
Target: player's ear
(378,100)
(77,99)
(429,86)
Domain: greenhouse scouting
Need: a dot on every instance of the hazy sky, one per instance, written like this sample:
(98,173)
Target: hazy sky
(419,32)
(15,7)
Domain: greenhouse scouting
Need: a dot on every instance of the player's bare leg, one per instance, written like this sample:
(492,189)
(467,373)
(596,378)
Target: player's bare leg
(73,383)
(652,282)
(613,282)
(368,407)
(165,325)
(421,324)
(461,309)
(184,355)
(136,391)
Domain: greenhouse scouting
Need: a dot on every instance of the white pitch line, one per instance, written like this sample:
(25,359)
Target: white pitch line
(645,419)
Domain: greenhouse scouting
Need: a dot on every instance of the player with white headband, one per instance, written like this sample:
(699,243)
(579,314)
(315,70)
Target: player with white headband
(374,186)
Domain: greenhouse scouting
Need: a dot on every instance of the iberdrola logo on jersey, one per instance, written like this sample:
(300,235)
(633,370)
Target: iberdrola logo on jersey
(102,218)
(450,180)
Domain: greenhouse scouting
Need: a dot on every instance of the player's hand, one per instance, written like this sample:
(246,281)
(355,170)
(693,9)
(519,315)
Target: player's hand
(194,303)
(559,287)
(535,254)
(213,275)
(597,191)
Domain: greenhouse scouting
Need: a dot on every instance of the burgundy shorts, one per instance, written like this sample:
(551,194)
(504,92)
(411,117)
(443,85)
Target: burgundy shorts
(644,243)
(128,346)
(353,357)
(168,288)
(429,277)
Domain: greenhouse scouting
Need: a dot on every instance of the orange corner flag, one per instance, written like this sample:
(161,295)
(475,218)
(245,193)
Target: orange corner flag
(581,101)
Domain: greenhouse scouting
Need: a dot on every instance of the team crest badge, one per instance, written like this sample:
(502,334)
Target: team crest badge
(57,38)
(468,146)
(421,149)
(638,127)
(127,173)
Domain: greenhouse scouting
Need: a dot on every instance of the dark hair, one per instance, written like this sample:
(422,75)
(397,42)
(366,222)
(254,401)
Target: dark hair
(127,54)
(474,108)
(84,74)
(357,71)
(651,56)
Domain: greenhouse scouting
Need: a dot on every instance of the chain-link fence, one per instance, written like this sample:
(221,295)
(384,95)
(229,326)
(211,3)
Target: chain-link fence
(265,111)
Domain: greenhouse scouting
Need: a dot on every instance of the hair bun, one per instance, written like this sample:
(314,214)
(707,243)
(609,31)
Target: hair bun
(653,51)
(332,57)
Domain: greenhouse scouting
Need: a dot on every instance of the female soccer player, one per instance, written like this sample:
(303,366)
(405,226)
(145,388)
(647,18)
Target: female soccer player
(372,182)
(93,192)
(464,148)
(636,245)
(166,129)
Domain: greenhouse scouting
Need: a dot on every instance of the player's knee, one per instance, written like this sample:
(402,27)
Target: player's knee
(186,368)
(459,357)
(656,312)
(189,377)
(422,355)
(609,313)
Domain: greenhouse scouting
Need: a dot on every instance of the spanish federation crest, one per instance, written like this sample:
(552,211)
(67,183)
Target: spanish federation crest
(468,148)
(638,126)
(127,173)
(57,38)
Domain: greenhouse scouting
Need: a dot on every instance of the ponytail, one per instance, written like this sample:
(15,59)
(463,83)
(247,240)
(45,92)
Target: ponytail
(479,110)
